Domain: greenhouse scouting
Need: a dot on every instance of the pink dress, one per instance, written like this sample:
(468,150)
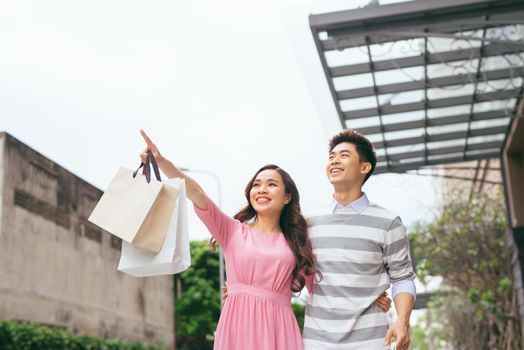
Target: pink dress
(257,313)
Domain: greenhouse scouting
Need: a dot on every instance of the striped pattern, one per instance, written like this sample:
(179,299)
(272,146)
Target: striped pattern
(359,255)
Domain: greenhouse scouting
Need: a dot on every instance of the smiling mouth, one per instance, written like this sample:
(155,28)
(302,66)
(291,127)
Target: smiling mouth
(262,200)
(335,171)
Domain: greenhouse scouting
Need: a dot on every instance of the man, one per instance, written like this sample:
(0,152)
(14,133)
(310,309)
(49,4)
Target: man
(361,249)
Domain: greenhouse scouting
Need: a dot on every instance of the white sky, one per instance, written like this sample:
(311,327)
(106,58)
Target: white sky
(226,86)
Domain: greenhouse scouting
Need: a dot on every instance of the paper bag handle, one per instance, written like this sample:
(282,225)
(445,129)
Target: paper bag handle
(147,168)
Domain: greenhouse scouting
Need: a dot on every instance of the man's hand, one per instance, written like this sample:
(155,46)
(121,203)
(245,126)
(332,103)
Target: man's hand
(224,293)
(399,330)
(383,302)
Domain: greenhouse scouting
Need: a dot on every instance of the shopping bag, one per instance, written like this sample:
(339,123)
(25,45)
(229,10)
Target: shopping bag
(174,257)
(136,208)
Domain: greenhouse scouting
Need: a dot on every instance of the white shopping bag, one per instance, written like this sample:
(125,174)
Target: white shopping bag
(174,256)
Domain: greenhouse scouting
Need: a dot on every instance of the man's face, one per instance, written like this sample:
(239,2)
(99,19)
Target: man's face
(344,167)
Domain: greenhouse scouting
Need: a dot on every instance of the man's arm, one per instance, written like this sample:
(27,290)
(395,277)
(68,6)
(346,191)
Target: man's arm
(400,329)
(404,306)
(400,270)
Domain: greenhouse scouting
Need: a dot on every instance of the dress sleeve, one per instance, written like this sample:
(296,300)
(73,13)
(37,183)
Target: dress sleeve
(220,225)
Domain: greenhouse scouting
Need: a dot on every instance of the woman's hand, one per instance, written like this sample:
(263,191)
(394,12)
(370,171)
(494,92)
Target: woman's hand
(193,190)
(383,302)
(150,147)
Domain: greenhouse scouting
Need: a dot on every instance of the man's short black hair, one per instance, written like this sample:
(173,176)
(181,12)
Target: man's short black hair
(362,145)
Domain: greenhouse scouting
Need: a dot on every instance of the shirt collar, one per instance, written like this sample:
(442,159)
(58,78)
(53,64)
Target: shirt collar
(358,205)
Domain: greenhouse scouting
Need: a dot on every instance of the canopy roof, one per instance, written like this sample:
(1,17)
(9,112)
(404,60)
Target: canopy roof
(429,82)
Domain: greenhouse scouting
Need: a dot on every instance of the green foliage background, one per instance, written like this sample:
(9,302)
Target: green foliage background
(469,247)
(197,299)
(28,336)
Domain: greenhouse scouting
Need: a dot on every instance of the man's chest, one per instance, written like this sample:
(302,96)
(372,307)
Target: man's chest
(346,239)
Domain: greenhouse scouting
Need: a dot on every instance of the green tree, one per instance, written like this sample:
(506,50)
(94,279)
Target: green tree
(418,338)
(197,299)
(299,310)
(467,246)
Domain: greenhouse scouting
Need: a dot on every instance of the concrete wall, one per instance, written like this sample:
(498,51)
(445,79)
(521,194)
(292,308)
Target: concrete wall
(468,178)
(2,140)
(58,269)
(513,162)
(514,168)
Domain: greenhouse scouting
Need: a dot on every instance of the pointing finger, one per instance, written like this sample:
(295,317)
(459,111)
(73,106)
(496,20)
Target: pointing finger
(146,138)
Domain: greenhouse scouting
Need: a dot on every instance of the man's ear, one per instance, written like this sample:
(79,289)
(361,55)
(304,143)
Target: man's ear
(365,167)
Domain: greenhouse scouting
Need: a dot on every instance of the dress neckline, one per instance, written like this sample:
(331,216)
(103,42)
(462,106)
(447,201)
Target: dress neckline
(274,233)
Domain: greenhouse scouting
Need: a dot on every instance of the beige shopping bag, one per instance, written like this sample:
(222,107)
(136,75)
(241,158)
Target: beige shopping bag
(136,208)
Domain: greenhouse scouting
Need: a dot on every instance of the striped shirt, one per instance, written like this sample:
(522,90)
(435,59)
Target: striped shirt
(360,253)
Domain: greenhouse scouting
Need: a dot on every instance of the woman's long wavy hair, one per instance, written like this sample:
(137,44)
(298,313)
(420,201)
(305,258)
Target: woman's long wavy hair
(293,226)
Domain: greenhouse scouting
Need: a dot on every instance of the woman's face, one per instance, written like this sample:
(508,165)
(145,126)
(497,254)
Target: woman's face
(268,194)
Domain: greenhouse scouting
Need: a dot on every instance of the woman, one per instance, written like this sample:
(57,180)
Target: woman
(267,254)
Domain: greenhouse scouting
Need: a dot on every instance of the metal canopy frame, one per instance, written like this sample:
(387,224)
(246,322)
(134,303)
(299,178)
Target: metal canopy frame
(468,59)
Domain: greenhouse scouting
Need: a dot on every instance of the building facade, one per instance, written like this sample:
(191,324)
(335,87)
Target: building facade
(58,269)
